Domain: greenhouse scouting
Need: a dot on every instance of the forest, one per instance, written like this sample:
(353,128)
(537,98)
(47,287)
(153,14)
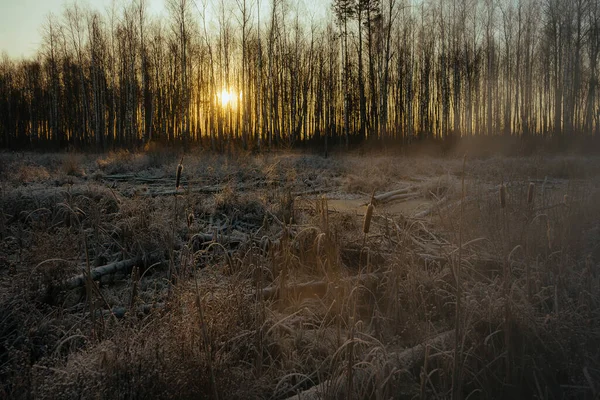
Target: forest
(262,74)
(173,227)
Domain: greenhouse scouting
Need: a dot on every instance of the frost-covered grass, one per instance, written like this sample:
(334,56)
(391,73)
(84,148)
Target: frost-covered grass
(249,284)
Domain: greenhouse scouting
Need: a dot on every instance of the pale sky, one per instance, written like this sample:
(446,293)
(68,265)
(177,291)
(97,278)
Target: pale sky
(21,21)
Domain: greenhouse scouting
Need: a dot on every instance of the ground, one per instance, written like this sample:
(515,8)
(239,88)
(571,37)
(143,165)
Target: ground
(263,276)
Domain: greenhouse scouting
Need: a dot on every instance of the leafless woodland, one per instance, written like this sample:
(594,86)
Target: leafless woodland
(263,74)
(211,204)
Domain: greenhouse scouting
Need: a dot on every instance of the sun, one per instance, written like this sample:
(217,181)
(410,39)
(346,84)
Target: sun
(225,97)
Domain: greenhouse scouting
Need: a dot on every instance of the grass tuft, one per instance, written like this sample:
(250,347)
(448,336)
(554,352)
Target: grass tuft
(264,288)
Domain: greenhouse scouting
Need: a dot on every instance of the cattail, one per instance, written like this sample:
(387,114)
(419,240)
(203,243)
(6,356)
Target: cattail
(178,177)
(190,219)
(368,216)
(530,193)
(502,196)
(320,243)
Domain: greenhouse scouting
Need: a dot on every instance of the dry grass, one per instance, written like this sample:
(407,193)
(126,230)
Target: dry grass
(272,292)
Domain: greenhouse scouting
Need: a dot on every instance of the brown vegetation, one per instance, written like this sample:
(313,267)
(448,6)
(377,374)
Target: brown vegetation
(247,282)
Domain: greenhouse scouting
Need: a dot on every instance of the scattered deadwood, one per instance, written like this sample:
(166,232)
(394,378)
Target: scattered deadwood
(403,197)
(158,180)
(441,206)
(403,360)
(425,213)
(97,273)
(119,177)
(200,190)
(132,177)
(394,195)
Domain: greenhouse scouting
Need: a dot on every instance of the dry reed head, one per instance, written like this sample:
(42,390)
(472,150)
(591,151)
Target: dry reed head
(190,219)
(320,243)
(530,192)
(323,210)
(368,217)
(178,177)
(566,199)
(502,196)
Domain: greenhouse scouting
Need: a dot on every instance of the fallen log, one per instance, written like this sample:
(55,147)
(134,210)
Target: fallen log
(97,273)
(403,360)
(425,213)
(119,177)
(201,190)
(443,207)
(380,198)
(405,197)
(149,180)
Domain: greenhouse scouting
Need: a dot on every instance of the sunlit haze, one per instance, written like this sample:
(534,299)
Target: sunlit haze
(226,97)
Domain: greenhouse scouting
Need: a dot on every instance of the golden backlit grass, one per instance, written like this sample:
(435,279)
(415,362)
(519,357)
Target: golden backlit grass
(286,293)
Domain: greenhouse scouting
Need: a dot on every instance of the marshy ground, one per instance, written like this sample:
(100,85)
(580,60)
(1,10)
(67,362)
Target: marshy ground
(256,279)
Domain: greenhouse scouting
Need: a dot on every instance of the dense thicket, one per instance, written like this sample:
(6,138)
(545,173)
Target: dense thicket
(371,69)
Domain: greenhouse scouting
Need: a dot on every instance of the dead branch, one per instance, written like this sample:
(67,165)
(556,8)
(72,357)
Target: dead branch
(404,197)
(119,177)
(381,198)
(201,190)
(97,273)
(425,213)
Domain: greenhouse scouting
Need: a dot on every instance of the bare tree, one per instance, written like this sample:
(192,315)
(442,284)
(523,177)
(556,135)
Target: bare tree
(370,69)
(344,10)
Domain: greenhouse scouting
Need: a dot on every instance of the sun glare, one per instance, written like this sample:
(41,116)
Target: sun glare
(226,98)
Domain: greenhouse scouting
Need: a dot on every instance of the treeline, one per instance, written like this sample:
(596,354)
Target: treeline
(262,74)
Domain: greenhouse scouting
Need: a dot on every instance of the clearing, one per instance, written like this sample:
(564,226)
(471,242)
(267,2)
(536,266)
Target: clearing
(255,278)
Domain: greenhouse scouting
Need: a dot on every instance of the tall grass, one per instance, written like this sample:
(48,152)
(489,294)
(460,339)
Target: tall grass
(304,303)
